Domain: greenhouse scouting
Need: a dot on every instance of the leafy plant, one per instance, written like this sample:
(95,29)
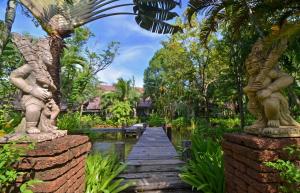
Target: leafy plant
(155,120)
(10,154)
(205,171)
(69,121)
(24,188)
(121,112)
(101,172)
(179,123)
(289,172)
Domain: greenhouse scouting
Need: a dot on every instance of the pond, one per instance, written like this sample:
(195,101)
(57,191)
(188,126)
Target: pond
(105,144)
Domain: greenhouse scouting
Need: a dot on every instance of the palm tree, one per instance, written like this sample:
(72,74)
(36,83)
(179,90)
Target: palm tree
(5,26)
(59,18)
(265,17)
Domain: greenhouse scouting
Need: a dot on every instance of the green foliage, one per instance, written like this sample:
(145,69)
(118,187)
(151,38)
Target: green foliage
(80,66)
(155,120)
(9,60)
(179,123)
(215,131)
(10,154)
(205,171)
(101,172)
(120,112)
(69,121)
(225,123)
(25,188)
(289,172)
(9,118)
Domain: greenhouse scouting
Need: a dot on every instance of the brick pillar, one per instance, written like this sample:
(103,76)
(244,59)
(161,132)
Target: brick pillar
(244,157)
(59,163)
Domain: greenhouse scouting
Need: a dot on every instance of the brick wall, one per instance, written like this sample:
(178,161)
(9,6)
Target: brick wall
(59,163)
(244,157)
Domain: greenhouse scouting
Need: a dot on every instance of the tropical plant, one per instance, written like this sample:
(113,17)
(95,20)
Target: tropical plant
(288,171)
(10,154)
(101,172)
(155,120)
(6,25)
(120,112)
(80,66)
(205,171)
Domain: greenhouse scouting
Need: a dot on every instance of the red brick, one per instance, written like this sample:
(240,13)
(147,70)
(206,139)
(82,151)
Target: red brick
(263,143)
(257,155)
(81,189)
(57,146)
(258,166)
(53,173)
(264,177)
(252,190)
(42,163)
(51,186)
(240,182)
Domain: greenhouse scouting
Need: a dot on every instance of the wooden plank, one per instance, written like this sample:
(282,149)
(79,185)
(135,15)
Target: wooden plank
(158,184)
(152,168)
(153,175)
(153,164)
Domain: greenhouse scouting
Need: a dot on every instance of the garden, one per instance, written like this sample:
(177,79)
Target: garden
(226,68)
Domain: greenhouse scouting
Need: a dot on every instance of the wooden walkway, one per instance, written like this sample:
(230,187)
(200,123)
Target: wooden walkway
(153,165)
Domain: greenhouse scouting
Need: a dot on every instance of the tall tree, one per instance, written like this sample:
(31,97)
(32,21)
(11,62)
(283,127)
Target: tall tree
(271,22)
(6,25)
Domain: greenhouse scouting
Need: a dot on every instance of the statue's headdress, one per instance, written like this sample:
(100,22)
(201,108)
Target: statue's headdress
(29,48)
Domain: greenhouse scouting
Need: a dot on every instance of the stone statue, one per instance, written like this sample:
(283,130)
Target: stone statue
(264,91)
(37,86)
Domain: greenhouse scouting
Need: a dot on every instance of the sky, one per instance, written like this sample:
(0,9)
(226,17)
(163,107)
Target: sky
(137,46)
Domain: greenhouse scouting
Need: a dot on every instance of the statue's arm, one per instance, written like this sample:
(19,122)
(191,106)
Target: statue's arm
(282,81)
(18,76)
(272,59)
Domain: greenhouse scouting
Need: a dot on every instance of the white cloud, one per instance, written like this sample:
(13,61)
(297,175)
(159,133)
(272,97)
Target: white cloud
(134,53)
(112,73)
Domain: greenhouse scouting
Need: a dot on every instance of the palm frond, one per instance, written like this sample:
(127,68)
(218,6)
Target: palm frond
(60,17)
(203,6)
(153,14)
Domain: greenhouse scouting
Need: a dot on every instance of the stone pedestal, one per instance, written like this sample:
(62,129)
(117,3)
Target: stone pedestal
(244,157)
(59,163)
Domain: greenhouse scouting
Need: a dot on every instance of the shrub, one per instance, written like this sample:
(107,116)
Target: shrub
(101,172)
(155,120)
(289,172)
(179,123)
(216,131)
(121,112)
(205,171)
(9,118)
(10,154)
(225,123)
(69,121)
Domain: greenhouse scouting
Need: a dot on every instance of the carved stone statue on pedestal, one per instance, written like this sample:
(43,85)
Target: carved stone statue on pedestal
(37,86)
(264,90)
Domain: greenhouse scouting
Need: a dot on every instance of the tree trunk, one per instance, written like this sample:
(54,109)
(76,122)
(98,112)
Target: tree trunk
(238,72)
(7,24)
(239,84)
(54,70)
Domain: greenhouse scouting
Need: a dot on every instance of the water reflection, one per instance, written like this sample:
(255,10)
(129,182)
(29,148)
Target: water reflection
(105,144)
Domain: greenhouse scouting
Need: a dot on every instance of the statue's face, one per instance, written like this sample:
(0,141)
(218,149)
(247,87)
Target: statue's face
(252,66)
(47,57)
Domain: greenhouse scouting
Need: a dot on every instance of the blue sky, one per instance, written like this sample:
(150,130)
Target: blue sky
(137,46)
